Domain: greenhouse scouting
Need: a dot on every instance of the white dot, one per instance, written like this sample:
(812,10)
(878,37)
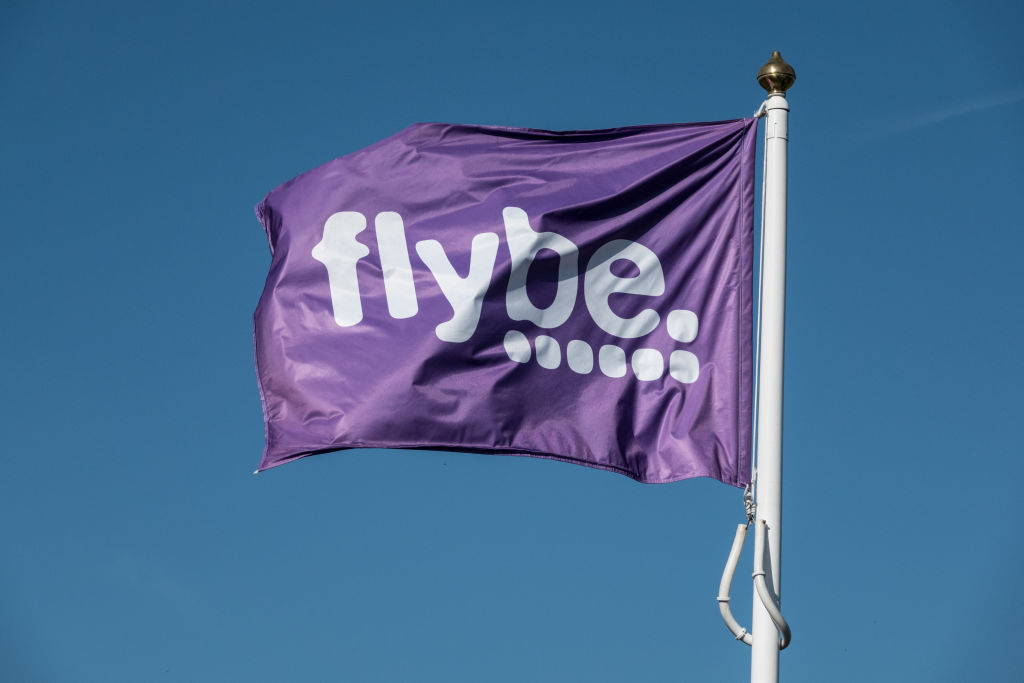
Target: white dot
(517,346)
(682,325)
(549,354)
(612,360)
(580,356)
(684,366)
(648,364)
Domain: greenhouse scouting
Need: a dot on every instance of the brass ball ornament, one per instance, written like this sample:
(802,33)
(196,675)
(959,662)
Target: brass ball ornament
(776,76)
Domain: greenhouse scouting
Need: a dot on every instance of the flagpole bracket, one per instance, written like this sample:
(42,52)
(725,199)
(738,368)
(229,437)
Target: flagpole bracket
(761,585)
(725,585)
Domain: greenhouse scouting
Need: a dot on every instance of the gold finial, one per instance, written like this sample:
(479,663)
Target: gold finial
(776,76)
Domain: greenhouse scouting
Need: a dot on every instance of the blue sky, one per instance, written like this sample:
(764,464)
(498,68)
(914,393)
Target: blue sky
(135,139)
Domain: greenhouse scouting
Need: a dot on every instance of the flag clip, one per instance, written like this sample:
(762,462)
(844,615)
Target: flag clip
(748,503)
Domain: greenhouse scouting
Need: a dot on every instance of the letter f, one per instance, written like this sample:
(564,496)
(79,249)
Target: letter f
(339,252)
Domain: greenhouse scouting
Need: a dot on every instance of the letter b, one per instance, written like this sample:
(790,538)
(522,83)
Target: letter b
(523,245)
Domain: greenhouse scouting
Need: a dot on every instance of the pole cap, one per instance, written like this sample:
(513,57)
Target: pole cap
(776,76)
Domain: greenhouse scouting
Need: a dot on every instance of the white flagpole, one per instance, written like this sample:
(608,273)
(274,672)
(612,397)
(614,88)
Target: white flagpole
(776,77)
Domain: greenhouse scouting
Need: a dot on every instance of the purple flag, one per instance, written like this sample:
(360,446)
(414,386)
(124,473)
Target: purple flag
(583,296)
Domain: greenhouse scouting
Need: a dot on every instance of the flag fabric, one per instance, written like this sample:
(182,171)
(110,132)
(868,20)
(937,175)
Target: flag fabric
(581,295)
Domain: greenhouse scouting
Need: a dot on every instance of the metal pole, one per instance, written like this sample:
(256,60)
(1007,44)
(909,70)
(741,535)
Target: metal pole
(776,77)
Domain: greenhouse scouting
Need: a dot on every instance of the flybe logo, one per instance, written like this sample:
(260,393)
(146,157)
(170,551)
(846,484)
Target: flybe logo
(339,251)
